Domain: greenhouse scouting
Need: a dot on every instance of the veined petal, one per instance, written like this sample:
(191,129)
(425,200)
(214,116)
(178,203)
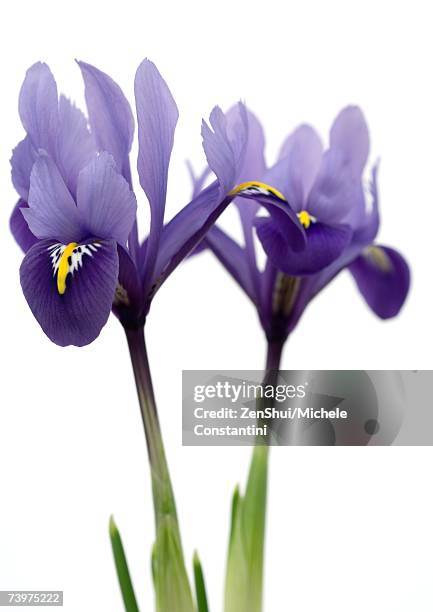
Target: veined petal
(157,117)
(254,165)
(20,229)
(77,315)
(383,278)
(324,245)
(349,134)
(76,145)
(106,205)
(225,146)
(52,212)
(336,193)
(298,165)
(23,157)
(38,107)
(110,116)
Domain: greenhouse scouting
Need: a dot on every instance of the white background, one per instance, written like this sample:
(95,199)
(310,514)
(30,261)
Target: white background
(349,528)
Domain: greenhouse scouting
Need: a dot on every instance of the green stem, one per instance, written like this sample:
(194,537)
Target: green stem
(164,502)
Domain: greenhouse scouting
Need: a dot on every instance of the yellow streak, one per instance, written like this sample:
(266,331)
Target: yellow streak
(304,218)
(63,270)
(242,186)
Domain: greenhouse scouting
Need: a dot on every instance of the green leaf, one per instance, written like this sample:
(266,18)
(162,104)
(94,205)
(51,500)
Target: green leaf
(125,582)
(172,588)
(244,576)
(200,587)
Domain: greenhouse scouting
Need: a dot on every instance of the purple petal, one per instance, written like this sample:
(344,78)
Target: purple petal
(254,165)
(349,134)
(38,108)
(298,165)
(23,157)
(233,258)
(324,245)
(105,202)
(110,116)
(78,315)
(383,278)
(157,117)
(128,303)
(336,193)
(52,212)
(225,146)
(76,146)
(20,229)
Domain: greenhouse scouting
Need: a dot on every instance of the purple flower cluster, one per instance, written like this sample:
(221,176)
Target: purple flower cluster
(76,217)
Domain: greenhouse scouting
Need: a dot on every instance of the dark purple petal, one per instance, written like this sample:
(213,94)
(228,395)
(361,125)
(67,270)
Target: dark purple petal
(128,303)
(324,244)
(38,108)
(76,146)
(110,116)
(78,315)
(349,134)
(23,157)
(298,165)
(233,258)
(105,202)
(52,212)
(157,117)
(20,229)
(225,146)
(383,278)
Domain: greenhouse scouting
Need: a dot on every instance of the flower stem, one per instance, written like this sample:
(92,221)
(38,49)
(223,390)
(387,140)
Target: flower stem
(172,588)
(244,577)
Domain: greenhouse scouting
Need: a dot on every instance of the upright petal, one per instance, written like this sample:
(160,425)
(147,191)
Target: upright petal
(224,147)
(254,165)
(20,229)
(157,117)
(78,315)
(38,107)
(110,116)
(23,157)
(52,212)
(349,134)
(383,278)
(106,204)
(298,165)
(76,145)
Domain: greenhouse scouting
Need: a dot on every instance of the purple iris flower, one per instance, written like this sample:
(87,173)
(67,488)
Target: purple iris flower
(325,190)
(76,216)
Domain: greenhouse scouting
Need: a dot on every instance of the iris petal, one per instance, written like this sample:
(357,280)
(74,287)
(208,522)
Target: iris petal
(77,316)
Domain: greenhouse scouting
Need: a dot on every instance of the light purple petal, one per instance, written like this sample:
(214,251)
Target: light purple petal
(157,117)
(77,316)
(349,134)
(254,165)
(233,257)
(52,212)
(23,157)
(38,108)
(336,193)
(20,229)
(325,244)
(76,146)
(225,147)
(297,166)
(110,116)
(383,278)
(105,202)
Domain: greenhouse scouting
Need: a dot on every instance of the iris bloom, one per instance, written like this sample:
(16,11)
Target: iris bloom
(76,217)
(325,190)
